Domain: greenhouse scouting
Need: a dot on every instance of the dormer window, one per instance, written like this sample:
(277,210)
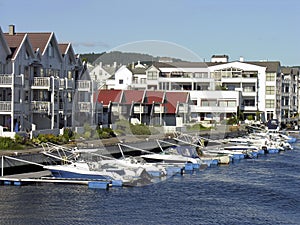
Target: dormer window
(50,50)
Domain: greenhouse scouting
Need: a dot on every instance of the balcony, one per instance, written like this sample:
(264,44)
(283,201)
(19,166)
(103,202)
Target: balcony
(41,83)
(159,109)
(6,80)
(138,109)
(83,85)
(212,109)
(183,109)
(84,106)
(5,106)
(40,107)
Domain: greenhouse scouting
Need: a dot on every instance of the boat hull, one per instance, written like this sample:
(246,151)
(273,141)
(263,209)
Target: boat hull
(75,175)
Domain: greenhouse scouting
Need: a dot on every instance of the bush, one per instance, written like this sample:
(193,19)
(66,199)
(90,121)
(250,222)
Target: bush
(197,127)
(140,129)
(105,133)
(7,143)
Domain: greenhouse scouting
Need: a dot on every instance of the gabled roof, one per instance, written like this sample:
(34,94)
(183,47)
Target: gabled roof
(4,43)
(130,96)
(107,96)
(289,70)
(154,97)
(14,42)
(138,70)
(173,99)
(40,40)
(66,48)
(63,48)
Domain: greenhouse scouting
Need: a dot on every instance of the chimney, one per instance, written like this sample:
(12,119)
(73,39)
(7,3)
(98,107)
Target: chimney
(11,30)
(241,59)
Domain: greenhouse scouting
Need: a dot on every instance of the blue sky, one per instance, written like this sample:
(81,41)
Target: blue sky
(254,29)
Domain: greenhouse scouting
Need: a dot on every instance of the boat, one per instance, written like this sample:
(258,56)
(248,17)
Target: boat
(74,166)
(85,171)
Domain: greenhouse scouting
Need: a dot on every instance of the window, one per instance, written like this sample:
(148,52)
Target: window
(210,102)
(270,77)
(26,54)
(121,81)
(50,50)
(270,90)
(249,102)
(270,103)
(152,75)
(231,103)
(41,72)
(70,74)
(69,97)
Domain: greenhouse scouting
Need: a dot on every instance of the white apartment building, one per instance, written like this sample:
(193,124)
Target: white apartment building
(38,80)
(258,82)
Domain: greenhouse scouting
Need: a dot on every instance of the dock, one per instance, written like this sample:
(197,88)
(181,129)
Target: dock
(45,177)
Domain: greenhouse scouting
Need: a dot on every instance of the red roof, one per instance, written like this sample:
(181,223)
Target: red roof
(130,96)
(154,97)
(107,96)
(173,98)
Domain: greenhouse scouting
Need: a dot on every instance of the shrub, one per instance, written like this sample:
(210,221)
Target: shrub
(140,129)
(105,133)
(197,127)
(8,143)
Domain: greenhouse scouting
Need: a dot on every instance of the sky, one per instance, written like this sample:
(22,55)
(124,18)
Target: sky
(189,29)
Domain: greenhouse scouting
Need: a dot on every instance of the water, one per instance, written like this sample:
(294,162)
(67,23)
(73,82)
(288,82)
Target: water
(260,191)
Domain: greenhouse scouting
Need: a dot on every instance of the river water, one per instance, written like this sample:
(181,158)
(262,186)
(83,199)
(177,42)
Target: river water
(252,191)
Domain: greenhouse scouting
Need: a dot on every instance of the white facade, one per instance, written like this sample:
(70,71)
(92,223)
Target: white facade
(122,79)
(214,105)
(250,80)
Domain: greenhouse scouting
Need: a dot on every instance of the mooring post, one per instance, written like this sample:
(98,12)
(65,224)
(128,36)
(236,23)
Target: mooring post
(2,166)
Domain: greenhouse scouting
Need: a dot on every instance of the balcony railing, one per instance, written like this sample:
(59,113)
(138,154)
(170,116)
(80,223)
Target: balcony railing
(40,107)
(41,82)
(5,106)
(159,109)
(183,109)
(84,106)
(7,79)
(83,85)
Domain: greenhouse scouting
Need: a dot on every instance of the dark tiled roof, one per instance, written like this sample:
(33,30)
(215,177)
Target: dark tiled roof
(14,42)
(289,70)
(272,66)
(138,70)
(63,48)
(39,40)
(180,64)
